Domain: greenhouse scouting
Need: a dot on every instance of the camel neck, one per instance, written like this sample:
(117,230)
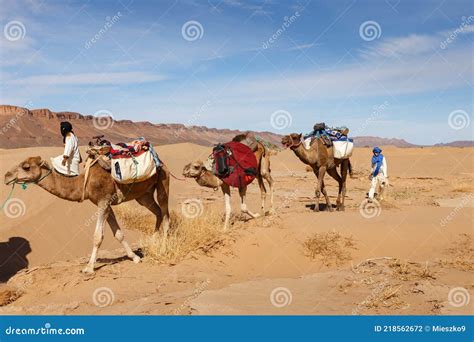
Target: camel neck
(306,156)
(68,188)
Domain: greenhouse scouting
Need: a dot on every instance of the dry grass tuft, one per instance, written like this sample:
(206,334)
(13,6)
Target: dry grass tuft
(131,215)
(8,295)
(411,270)
(400,269)
(329,247)
(201,234)
(462,252)
(386,297)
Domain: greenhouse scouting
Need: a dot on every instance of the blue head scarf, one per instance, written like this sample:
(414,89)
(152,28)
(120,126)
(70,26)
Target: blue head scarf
(377,160)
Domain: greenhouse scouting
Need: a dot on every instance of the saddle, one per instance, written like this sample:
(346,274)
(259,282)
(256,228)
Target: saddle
(130,162)
(103,150)
(99,149)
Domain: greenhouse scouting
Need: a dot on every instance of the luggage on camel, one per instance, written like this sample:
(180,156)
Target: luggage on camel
(342,147)
(318,127)
(234,163)
(131,162)
(335,137)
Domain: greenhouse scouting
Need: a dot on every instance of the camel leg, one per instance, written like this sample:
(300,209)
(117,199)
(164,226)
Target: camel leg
(316,205)
(345,167)
(323,190)
(112,221)
(263,192)
(320,188)
(243,206)
(163,194)
(228,209)
(333,173)
(104,209)
(265,173)
(148,201)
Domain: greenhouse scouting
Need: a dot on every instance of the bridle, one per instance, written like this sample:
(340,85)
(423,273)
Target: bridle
(36,181)
(293,145)
(25,183)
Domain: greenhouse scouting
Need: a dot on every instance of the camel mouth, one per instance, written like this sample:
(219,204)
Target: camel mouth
(187,175)
(9,180)
(290,145)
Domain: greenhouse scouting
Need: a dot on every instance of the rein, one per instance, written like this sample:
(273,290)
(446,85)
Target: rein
(180,179)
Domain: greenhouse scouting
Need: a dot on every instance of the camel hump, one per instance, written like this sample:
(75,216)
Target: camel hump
(247,139)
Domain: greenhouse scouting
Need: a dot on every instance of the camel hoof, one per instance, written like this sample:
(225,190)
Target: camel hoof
(87,270)
(136,259)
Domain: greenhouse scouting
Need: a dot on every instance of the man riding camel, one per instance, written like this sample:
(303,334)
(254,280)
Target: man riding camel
(68,162)
(378,175)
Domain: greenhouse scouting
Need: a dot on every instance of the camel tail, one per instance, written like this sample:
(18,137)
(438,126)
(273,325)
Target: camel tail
(350,168)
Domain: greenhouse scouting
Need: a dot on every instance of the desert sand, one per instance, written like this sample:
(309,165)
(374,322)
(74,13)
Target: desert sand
(407,259)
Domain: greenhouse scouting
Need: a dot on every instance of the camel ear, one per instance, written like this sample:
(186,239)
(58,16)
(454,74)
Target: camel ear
(299,136)
(35,160)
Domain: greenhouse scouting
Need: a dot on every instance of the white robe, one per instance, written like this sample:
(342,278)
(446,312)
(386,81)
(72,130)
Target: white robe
(71,150)
(379,182)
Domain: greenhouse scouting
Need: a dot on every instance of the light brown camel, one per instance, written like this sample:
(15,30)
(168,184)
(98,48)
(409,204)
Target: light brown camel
(320,158)
(206,178)
(101,190)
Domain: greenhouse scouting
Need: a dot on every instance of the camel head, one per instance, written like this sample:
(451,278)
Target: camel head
(194,169)
(203,176)
(27,171)
(292,140)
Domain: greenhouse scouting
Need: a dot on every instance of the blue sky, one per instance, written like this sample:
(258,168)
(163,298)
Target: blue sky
(384,68)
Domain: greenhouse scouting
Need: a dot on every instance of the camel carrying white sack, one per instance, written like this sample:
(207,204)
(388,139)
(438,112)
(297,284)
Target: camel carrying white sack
(137,168)
(342,147)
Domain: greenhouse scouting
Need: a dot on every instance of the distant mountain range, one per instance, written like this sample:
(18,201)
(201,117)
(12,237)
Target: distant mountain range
(21,127)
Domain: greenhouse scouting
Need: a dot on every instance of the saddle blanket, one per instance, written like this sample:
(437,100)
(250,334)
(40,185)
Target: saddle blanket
(234,163)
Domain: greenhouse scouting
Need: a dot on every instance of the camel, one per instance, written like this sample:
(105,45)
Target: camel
(320,158)
(101,190)
(206,178)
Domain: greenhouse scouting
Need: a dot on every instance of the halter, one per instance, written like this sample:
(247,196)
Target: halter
(293,145)
(24,184)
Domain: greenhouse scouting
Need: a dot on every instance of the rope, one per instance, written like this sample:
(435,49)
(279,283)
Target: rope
(8,197)
(180,179)
(89,163)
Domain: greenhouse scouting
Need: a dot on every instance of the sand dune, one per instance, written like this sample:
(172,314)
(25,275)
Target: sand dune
(428,213)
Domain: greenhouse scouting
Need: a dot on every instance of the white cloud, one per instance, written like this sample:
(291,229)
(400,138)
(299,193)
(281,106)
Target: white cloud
(402,46)
(90,78)
(302,47)
(413,44)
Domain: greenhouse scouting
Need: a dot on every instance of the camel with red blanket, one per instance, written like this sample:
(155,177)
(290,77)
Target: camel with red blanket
(249,159)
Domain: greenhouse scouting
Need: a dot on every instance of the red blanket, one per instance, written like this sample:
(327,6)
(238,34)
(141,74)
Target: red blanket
(241,162)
